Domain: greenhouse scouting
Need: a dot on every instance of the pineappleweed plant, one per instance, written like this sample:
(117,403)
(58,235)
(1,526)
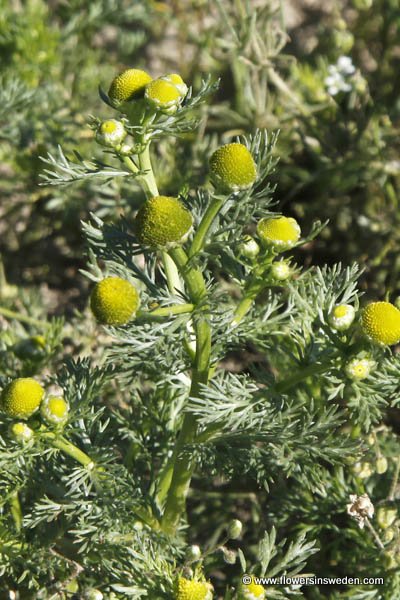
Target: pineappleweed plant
(178,285)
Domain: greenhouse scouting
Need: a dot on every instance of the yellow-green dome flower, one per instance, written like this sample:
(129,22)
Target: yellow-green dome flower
(114,301)
(111,133)
(128,85)
(189,589)
(21,432)
(22,397)
(252,591)
(163,95)
(54,410)
(163,222)
(232,167)
(341,316)
(381,322)
(280,233)
(178,83)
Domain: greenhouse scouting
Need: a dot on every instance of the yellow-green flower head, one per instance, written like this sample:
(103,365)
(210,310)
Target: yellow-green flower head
(252,590)
(381,465)
(363,470)
(114,301)
(189,589)
(386,515)
(249,247)
(21,432)
(111,133)
(381,322)
(163,222)
(163,95)
(232,167)
(341,316)
(280,270)
(281,233)
(178,83)
(22,397)
(359,368)
(54,410)
(128,85)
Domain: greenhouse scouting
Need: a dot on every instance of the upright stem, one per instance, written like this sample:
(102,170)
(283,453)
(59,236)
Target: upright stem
(206,222)
(69,448)
(16,511)
(177,475)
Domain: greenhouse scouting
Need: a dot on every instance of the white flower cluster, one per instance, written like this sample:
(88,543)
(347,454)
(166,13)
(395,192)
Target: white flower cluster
(339,78)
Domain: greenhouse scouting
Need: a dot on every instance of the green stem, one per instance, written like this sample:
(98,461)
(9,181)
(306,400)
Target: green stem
(305,372)
(205,224)
(70,449)
(16,511)
(175,478)
(11,314)
(165,311)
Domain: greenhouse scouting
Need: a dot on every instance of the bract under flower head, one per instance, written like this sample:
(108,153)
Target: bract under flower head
(381,322)
(341,316)
(189,589)
(114,301)
(128,85)
(22,397)
(252,591)
(163,95)
(232,167)
(163,222)
(54,409)
(281,233)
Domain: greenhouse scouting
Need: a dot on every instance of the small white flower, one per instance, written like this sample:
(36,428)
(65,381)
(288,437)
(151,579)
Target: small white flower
(360,508)
(345,65)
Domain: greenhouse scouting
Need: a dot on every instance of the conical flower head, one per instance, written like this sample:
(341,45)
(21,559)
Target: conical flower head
(54,410)
(232,167)
(189,589)
(114,301)
(178,82)
(281,233)
(111,133)
(163,222)
(380,321)
(22,397)
(128,85)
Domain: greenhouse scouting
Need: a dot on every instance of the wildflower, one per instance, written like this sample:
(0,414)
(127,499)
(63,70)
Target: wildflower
(386,516)
(163,95)
(381,322)
(163,222)
(249,247)
(22,397)
(252,590)
(178,83)
(189,589)
(360,508)
(339,78)
(280,270)
(360,367)
(234,529)
(281,233)
(111,133)
(128,85)
(54,410)
(21,432)
(233,168)
(114,301)
(341,316)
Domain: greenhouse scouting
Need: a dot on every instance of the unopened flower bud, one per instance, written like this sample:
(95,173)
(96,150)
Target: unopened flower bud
(386,515)
(54,410)
(359,368)
(21,432)
(249,247)
(193,553)
(229,555)
(93,594)
(341,316)
(381,465)
(235,528)
(163,95)
(363,470)
(280,270)
(111,133)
